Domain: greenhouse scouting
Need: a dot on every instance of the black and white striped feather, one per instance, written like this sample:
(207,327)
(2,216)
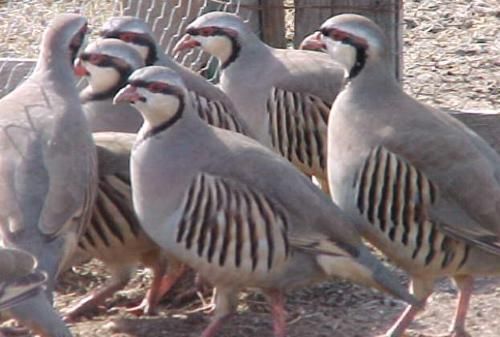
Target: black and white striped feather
(226,224)
(298,128)
(216,113)
(397,198)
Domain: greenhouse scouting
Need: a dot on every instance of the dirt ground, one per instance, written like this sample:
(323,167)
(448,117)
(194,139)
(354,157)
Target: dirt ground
(452,60)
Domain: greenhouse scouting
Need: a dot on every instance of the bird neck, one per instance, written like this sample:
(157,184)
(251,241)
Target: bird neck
(55,66)
(244,52)
(184,117)
(375,75)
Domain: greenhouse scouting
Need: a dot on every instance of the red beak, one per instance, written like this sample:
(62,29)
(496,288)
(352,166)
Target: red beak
(186,42)
(79,69)
(313,42)
(128,94)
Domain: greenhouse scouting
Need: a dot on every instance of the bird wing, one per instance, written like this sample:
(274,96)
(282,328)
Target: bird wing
(394,189)
(299,105)
(228,223)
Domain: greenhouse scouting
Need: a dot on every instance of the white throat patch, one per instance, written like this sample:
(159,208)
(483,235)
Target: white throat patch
(158,108)
(341,52)
(101,78)
(218,46)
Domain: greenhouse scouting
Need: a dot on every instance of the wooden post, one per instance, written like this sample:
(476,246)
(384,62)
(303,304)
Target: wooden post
(272,17)
(310,14)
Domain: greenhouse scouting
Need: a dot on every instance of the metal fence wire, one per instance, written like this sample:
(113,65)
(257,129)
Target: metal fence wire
(23,23)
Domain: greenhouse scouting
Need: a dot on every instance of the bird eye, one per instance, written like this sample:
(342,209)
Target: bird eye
(127,37)
(338,35)
(157,87)
(206,31)
(96,59)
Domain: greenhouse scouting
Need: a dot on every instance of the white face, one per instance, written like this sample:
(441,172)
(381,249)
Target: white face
(158,108)
(101,78)
(218,46)
(341,52)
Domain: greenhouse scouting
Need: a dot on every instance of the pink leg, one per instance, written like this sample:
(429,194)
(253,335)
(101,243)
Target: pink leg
(225,305)
(118,281)
(465,286)
(214,326)
(160,286)
(278,312)
(421,289)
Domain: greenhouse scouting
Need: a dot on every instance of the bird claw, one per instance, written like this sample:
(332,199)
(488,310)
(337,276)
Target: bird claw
(144,308)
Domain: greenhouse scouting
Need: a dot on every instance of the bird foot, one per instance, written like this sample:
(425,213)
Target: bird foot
(76,313)
(453,333)
(144,308)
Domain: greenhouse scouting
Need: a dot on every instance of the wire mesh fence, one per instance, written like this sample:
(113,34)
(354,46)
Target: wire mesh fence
(23,23)
(450,46)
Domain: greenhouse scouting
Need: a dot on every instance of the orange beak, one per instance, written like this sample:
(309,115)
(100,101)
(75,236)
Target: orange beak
(186,42)
(127,94)
(313,42)
(79,69)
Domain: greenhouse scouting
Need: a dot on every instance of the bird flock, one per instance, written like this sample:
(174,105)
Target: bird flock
(152,164)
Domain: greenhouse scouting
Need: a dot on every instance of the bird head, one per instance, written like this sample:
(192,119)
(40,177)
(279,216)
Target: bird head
(220,34)
(135,32)
(157,92)
(107,64)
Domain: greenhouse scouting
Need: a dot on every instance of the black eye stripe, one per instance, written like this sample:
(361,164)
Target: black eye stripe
(135,38)
(214,31)
(167,90)
(104,60)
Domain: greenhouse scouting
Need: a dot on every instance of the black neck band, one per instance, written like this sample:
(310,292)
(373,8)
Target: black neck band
(168,123)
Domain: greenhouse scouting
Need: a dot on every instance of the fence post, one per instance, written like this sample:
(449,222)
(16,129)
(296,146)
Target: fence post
(310,14)
(272,22)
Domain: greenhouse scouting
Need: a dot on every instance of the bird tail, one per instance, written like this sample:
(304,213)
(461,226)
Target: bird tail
(356,264)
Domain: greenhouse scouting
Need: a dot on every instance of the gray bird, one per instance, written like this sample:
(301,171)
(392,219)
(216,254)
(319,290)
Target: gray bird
(114,234)
(18,278)
(106,65)
(419,185)
(48,169)
(485,124)
(284,95)
(233,210)
(210,102)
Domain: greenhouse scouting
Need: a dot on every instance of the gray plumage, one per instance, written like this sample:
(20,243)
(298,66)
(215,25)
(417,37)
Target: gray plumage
(233,210)
(484,124)
(48,167)
(114,234)
(106,65)
(283,95)
(211,103)
(421,186)
(18,278)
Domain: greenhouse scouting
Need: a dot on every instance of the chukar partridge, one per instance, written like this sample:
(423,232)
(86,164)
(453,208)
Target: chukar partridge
(283,95)
(210,102)
(231,209)
(114,234)
(106,65)
(48,170)
(485,125)
(18,278)
(421,186)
